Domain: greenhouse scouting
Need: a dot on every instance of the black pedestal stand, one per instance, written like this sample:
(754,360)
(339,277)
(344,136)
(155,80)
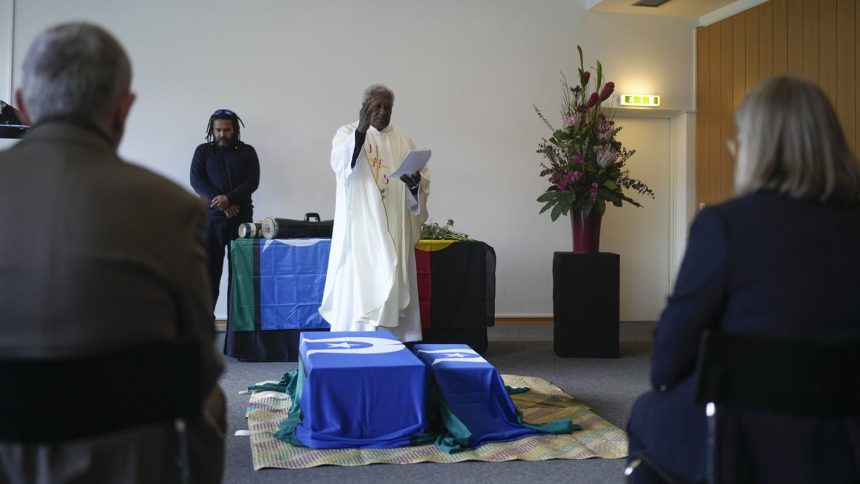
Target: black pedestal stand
(585,304)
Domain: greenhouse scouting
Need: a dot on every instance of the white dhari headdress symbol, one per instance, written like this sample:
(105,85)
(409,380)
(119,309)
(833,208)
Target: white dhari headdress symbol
(456,354)
(344,344)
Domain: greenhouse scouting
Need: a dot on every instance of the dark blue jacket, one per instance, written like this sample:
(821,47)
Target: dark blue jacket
(762,264)
(234,172)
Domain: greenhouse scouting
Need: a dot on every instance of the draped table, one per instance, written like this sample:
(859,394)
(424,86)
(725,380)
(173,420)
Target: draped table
(275,287)
(367,390)
(359,390)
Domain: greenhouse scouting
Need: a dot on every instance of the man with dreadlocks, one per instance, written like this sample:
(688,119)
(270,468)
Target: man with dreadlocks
(371,281)
(225,172)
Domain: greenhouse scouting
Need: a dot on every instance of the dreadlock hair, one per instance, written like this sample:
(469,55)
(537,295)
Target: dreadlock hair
(223,114)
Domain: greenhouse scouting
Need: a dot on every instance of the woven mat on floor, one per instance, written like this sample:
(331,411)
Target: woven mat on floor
(545,402)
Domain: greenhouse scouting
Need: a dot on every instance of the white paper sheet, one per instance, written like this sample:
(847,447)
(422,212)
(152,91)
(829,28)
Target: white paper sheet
(415,160)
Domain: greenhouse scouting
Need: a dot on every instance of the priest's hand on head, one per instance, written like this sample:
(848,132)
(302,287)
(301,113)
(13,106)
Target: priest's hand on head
(364,116)
(412,181)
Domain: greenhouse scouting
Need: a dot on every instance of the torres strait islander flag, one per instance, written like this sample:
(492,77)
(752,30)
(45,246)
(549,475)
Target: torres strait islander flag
(473,402)
(357,389)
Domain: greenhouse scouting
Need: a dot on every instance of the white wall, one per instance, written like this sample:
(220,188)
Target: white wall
(6,36)
(465,75)
(639,234)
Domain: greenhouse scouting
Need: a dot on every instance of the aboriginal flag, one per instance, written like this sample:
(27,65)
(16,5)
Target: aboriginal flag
(457,291)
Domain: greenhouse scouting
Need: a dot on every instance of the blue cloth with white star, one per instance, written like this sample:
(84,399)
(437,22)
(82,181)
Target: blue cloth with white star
(474,405)
(360,390)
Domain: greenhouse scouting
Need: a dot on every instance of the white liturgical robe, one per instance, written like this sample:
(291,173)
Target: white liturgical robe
(371,280)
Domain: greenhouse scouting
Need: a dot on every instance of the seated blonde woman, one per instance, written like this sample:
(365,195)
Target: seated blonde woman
(780,260)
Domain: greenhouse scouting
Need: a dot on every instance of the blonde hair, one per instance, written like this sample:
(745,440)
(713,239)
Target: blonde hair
(791,142)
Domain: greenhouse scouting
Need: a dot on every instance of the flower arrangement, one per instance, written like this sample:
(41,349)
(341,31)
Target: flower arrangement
(584,162)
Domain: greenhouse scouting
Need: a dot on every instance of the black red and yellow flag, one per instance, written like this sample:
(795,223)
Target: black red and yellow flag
(457,291)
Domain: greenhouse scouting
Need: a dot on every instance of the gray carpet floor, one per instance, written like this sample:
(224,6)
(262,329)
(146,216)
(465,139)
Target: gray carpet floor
(609,386)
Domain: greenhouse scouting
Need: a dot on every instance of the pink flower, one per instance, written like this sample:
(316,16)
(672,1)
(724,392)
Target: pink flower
(606,156)
(594,190)
(572,120)
(607,90)
(604,128)
(569,179)
(577,159)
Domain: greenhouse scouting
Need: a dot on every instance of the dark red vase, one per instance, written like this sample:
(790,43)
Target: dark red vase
(586,231)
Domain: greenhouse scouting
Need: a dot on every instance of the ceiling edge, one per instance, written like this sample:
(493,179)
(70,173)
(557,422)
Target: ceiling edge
(727,11)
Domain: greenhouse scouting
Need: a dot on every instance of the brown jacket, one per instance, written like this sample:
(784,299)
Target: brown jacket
(95,255)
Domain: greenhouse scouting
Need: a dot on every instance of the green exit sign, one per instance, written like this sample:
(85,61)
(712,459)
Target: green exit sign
(640,100)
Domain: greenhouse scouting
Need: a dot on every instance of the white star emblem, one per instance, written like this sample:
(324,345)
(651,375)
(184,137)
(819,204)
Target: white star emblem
(341,345)
(460,355)
(353,345)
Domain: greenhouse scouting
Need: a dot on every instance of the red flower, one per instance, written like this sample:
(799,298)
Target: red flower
(585,77)
(607,90)
(593,99)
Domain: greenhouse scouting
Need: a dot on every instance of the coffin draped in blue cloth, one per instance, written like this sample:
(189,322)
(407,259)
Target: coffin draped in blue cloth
(356,390)
(473,402)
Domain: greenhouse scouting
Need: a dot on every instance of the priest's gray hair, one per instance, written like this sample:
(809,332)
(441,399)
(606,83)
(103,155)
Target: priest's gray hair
(376,90)
(790,141)
(74,70)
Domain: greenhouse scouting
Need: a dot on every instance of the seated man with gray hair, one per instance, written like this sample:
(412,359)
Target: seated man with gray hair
(100,259)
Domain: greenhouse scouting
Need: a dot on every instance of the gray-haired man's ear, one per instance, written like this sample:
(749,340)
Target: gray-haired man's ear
(19,101)
(120,115)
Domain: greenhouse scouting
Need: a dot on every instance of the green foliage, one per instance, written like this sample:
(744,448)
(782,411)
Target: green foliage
(434,231)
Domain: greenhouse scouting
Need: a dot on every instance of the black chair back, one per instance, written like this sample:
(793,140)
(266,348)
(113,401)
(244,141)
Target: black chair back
(747,374)
(55,400)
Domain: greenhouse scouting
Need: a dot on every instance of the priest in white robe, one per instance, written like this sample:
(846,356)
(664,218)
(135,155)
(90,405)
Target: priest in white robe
(371,281)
